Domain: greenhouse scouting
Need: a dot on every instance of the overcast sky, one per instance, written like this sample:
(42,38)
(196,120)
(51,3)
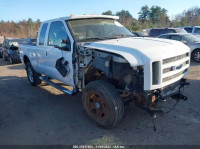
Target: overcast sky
(48,9)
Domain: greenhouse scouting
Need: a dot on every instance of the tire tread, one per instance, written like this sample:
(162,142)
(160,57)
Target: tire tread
(36,75)
(110,89)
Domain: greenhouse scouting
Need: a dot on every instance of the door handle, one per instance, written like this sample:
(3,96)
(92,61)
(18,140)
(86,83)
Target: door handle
(46,53)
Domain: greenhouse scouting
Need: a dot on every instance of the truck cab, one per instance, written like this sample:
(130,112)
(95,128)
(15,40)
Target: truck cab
(49,50)
(97,55)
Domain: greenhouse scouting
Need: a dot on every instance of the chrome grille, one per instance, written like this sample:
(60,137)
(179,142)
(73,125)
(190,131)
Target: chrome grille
(170,70)
(176,58)
(166,70)
(174,76)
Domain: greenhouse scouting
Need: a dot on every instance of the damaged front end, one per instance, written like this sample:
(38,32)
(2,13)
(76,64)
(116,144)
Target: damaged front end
(149,100)
(129,81)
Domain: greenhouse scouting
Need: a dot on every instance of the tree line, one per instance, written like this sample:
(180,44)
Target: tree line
(149,17)
(22,29)
(156,16)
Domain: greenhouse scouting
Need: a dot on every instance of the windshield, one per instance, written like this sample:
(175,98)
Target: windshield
(191,38)
(97,29)
(15,42)
(142,34)
(180,31)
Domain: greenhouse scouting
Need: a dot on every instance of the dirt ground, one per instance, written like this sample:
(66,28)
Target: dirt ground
(45,116)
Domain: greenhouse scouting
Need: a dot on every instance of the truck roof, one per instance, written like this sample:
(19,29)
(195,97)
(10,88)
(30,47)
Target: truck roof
(174,34)
(14,39)
(166,28)
(191,26)
(73,17)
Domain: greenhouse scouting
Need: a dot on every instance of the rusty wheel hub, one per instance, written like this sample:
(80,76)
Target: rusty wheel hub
(97,107)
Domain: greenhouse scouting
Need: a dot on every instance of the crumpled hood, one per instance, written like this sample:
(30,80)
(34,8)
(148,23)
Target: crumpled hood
(138,50)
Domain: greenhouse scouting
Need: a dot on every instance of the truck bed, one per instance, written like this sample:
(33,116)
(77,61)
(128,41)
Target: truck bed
(30,51)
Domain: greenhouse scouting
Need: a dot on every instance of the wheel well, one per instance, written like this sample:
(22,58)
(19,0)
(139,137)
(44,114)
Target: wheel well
(116,73)
(195,49)
(26,59)
(93,74)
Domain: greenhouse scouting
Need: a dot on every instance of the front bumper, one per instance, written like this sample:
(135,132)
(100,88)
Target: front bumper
(174,91)
(15,57)
(171,90)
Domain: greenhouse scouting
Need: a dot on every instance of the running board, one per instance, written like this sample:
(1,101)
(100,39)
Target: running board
(59,87)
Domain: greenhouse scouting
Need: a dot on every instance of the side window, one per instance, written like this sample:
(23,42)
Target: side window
(134,34)
(188,29)
(171,31)
(162,31)
(152,33)
(197,30)
(57,33)
(165,37)
(178,38)
(42,34)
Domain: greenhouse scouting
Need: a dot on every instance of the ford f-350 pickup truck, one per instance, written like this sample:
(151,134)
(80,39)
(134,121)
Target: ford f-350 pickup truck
(97,55)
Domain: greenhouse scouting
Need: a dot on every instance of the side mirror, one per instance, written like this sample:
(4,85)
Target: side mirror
(64,48)
(65,45)
(65,41)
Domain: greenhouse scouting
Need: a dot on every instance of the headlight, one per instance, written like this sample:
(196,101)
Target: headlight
(155,72)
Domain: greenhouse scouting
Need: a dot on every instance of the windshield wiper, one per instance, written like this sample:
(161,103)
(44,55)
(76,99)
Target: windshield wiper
(104,38)
(121,36)
(195,41)
(94,38)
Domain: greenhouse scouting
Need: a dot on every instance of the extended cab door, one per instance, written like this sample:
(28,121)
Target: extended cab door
(58,33)
(41,50)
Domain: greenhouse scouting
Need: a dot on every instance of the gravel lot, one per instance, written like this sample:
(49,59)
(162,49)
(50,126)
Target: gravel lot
(45,116)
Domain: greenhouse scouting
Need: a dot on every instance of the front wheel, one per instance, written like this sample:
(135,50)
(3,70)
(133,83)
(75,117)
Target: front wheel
(196,55)
(33,77)
(103,104)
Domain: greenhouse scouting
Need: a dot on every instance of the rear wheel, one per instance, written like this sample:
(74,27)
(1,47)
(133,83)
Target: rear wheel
(103,103)
(33,77)
(196,55)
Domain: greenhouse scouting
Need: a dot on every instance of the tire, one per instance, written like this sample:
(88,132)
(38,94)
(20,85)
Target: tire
(196,55)
(33,77)
(103,104)
(11,60)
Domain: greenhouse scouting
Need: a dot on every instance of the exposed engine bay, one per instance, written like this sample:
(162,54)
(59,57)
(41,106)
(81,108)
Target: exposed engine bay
(97,65)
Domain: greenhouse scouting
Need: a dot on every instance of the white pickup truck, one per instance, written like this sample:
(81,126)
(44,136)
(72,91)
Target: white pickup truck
(97,55)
